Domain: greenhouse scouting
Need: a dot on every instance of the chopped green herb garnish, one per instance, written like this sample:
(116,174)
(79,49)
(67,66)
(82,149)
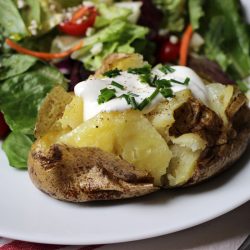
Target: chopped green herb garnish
(133,102)
(147,100)
(187,80)
(112,73)
(153,95)
(130,100)
(144,72)
(118,85)
(140,71)
(167,69)
(106,95)
(133,94)
(143,104)
(126,97)
(166,92)
(163,83)
(146,78)
(182,83)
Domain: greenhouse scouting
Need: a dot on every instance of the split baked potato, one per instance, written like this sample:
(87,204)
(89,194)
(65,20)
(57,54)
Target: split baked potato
(115,155)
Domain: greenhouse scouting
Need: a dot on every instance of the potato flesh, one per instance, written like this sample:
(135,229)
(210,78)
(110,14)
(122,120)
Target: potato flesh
(97,132)
(73,114)
(138,142)
(138,139)
(162,117)
(219,99)
(182,165)
(190,140)
(186,150)
(128,134)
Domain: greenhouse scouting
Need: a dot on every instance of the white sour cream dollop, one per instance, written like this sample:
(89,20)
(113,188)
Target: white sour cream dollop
(89,90)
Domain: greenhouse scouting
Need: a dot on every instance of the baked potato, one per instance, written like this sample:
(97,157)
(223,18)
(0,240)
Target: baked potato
(115,155)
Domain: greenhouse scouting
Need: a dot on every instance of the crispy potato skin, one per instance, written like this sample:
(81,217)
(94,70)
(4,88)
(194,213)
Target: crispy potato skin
(225,144)
(215,160)
(85,174)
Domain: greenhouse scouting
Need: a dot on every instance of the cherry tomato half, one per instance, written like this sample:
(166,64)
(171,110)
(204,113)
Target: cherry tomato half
(4,128)
(169,52)
(82,19)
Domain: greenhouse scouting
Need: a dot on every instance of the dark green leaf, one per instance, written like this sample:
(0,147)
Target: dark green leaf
(17,147)
(12,65)
(31,14)
(11,21)
(227,37)
(21,96)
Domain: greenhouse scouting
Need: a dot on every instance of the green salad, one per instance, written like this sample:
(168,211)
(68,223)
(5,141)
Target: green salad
(45,43)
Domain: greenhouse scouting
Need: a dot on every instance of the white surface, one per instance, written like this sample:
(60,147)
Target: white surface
(27,214)
(224,233)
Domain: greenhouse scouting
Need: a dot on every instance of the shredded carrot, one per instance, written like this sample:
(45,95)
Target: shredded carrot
(185,41)
(79,13)
(42,55)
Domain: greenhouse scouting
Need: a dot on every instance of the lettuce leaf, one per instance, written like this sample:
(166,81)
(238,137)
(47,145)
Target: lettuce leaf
(24,83)
(109,13)
(11,22)
(226,37)
(117,37)
(17,147)
(195,9)
(174,14)
(12,65)
(21,96)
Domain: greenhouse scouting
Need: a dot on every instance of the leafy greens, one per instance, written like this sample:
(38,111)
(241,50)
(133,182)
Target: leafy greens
(23,86)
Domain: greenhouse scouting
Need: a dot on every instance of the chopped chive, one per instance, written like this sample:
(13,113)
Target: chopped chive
(106,95)
(187,80)
(133,94)
(163,83)
(144,72)
(167,69)
(182,83)
(133,102)
(166,92)
(140,71)
(126,97)
(112,73)
(153,95)
(118,85)
(143,104)
(130,100)
(147,100)
(146,78)
(176,81)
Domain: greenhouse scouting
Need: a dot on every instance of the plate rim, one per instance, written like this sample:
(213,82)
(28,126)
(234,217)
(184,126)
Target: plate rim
(143,236)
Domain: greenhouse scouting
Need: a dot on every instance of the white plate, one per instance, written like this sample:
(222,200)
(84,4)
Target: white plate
(30,215)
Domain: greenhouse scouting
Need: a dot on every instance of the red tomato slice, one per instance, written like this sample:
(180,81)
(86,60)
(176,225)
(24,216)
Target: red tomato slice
(4,128)
(169,52)
(77,26)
